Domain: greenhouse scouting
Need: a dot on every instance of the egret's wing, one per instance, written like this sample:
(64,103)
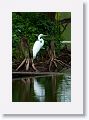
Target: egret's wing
(36,48)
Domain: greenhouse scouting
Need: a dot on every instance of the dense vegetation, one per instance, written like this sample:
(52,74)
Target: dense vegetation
(30,24)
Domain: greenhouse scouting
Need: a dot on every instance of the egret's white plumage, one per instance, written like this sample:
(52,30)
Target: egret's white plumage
(38,45)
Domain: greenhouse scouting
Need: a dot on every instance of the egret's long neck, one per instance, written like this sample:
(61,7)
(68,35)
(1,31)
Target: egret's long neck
(39,37)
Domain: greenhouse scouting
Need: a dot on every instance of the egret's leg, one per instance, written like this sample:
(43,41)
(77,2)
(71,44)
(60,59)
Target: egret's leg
(21,64)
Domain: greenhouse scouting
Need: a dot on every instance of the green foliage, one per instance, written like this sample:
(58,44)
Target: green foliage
(27,24)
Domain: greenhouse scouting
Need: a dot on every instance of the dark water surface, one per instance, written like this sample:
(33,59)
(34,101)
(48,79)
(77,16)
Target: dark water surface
(54,88)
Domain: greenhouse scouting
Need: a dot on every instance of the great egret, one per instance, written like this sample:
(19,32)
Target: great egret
(38,45)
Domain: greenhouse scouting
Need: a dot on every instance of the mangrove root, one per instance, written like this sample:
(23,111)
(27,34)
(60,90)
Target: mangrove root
(21,65)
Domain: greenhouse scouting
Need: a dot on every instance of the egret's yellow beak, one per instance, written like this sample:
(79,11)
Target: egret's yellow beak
(45,35)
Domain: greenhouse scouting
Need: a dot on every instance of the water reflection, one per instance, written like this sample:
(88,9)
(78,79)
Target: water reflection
(54,88)
(64,89)
(39,90)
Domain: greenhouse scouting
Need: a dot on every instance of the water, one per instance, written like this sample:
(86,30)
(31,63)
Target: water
(53,88)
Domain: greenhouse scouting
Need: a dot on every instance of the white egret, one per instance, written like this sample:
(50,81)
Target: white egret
(37,46)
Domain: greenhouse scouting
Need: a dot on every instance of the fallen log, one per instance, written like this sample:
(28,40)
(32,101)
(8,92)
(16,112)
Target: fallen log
(36,73)
(21,74)
(36,76)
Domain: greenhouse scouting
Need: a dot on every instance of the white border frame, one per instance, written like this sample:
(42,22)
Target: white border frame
(76,104)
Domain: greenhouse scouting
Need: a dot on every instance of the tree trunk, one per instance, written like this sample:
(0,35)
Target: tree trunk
(26,51)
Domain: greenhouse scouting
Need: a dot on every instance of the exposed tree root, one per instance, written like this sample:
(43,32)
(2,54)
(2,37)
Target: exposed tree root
(27,63)
(33,66)
(22,63)
(53,58)
(55,61)
(61,62)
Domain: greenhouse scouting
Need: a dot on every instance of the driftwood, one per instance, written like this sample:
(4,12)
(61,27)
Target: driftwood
(25,75)
(36,73)
(32,74)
